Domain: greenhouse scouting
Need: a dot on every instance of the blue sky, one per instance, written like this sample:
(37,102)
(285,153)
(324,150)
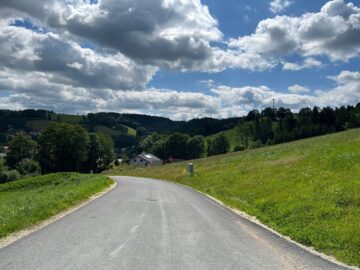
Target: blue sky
(180,59)
(238,18)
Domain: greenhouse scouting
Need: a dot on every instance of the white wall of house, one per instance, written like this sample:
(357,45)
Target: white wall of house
(138,161)
(156,163)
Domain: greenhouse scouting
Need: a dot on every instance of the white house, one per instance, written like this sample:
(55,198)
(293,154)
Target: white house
(145,159)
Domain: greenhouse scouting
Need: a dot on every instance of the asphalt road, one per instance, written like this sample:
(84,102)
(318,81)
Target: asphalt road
(150,224)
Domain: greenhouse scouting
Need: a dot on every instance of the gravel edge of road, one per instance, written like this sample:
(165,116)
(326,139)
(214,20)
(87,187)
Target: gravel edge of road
(256,221)
(13,237)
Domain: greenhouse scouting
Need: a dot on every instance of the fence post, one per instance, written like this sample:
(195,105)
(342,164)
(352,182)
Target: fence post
(191,169)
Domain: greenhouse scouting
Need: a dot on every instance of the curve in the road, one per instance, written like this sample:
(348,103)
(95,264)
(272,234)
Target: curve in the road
(152,224)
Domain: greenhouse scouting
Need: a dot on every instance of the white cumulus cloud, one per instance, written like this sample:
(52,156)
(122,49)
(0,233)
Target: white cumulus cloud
(308,63)
(296,88)
(83,56)
(278,6)
(334,32)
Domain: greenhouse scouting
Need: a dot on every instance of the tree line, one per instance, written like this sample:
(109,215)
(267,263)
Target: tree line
(256,129)
(182,146)
(61,147)
(272,126)
(65,147)
(143,124)
(176,145)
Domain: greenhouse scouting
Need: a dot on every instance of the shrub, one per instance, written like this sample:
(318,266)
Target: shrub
(239,148)
(111,166)
(195,147)
(219,145)
(8,176)
(117,162)
(269,142)
(20,147)
(2,166)
(29,167)
(255,144)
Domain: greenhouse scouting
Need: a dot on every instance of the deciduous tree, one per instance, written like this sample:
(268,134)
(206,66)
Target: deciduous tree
(20,148)
(63,147)
(195,147)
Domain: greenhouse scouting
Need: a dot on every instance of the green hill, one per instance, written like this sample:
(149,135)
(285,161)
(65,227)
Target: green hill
(308,189)
(67,118)
(112,132)
(233,136)
(40,125)
(230,134)
(37,125)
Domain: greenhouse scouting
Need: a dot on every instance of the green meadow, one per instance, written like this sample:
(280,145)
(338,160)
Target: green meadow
(308,189)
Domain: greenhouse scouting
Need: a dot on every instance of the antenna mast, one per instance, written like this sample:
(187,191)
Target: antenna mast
(273,105)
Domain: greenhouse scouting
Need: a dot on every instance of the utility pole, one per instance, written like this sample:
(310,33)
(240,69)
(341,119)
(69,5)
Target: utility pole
(274,105)
(274,112)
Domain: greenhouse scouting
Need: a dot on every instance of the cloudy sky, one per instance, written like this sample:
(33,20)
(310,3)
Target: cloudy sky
(178,58)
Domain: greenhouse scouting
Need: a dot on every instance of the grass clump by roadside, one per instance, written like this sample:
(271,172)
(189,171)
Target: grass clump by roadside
(308,189)
(28,201)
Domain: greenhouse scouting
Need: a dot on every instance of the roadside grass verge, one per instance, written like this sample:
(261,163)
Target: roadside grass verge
(28,201)
(308,189)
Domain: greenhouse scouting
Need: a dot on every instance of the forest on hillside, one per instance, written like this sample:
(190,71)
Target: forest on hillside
(258,128)
(132,134)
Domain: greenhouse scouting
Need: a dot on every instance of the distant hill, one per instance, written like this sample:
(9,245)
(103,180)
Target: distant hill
(37,120)
(147,123)
(269,126)
(123,128)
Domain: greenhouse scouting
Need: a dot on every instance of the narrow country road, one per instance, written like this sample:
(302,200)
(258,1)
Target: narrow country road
(150,224)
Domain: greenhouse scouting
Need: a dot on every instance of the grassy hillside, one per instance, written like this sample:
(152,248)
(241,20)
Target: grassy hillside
(309,189)
(37,125)
(40,125)
(131,131)
(67,118)
(26,202)
(112,132)
(230,135)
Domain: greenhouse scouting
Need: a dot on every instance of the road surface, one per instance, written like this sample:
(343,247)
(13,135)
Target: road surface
(150,224)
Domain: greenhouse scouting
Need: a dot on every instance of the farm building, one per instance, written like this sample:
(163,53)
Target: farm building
(172,160)
(145,159)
